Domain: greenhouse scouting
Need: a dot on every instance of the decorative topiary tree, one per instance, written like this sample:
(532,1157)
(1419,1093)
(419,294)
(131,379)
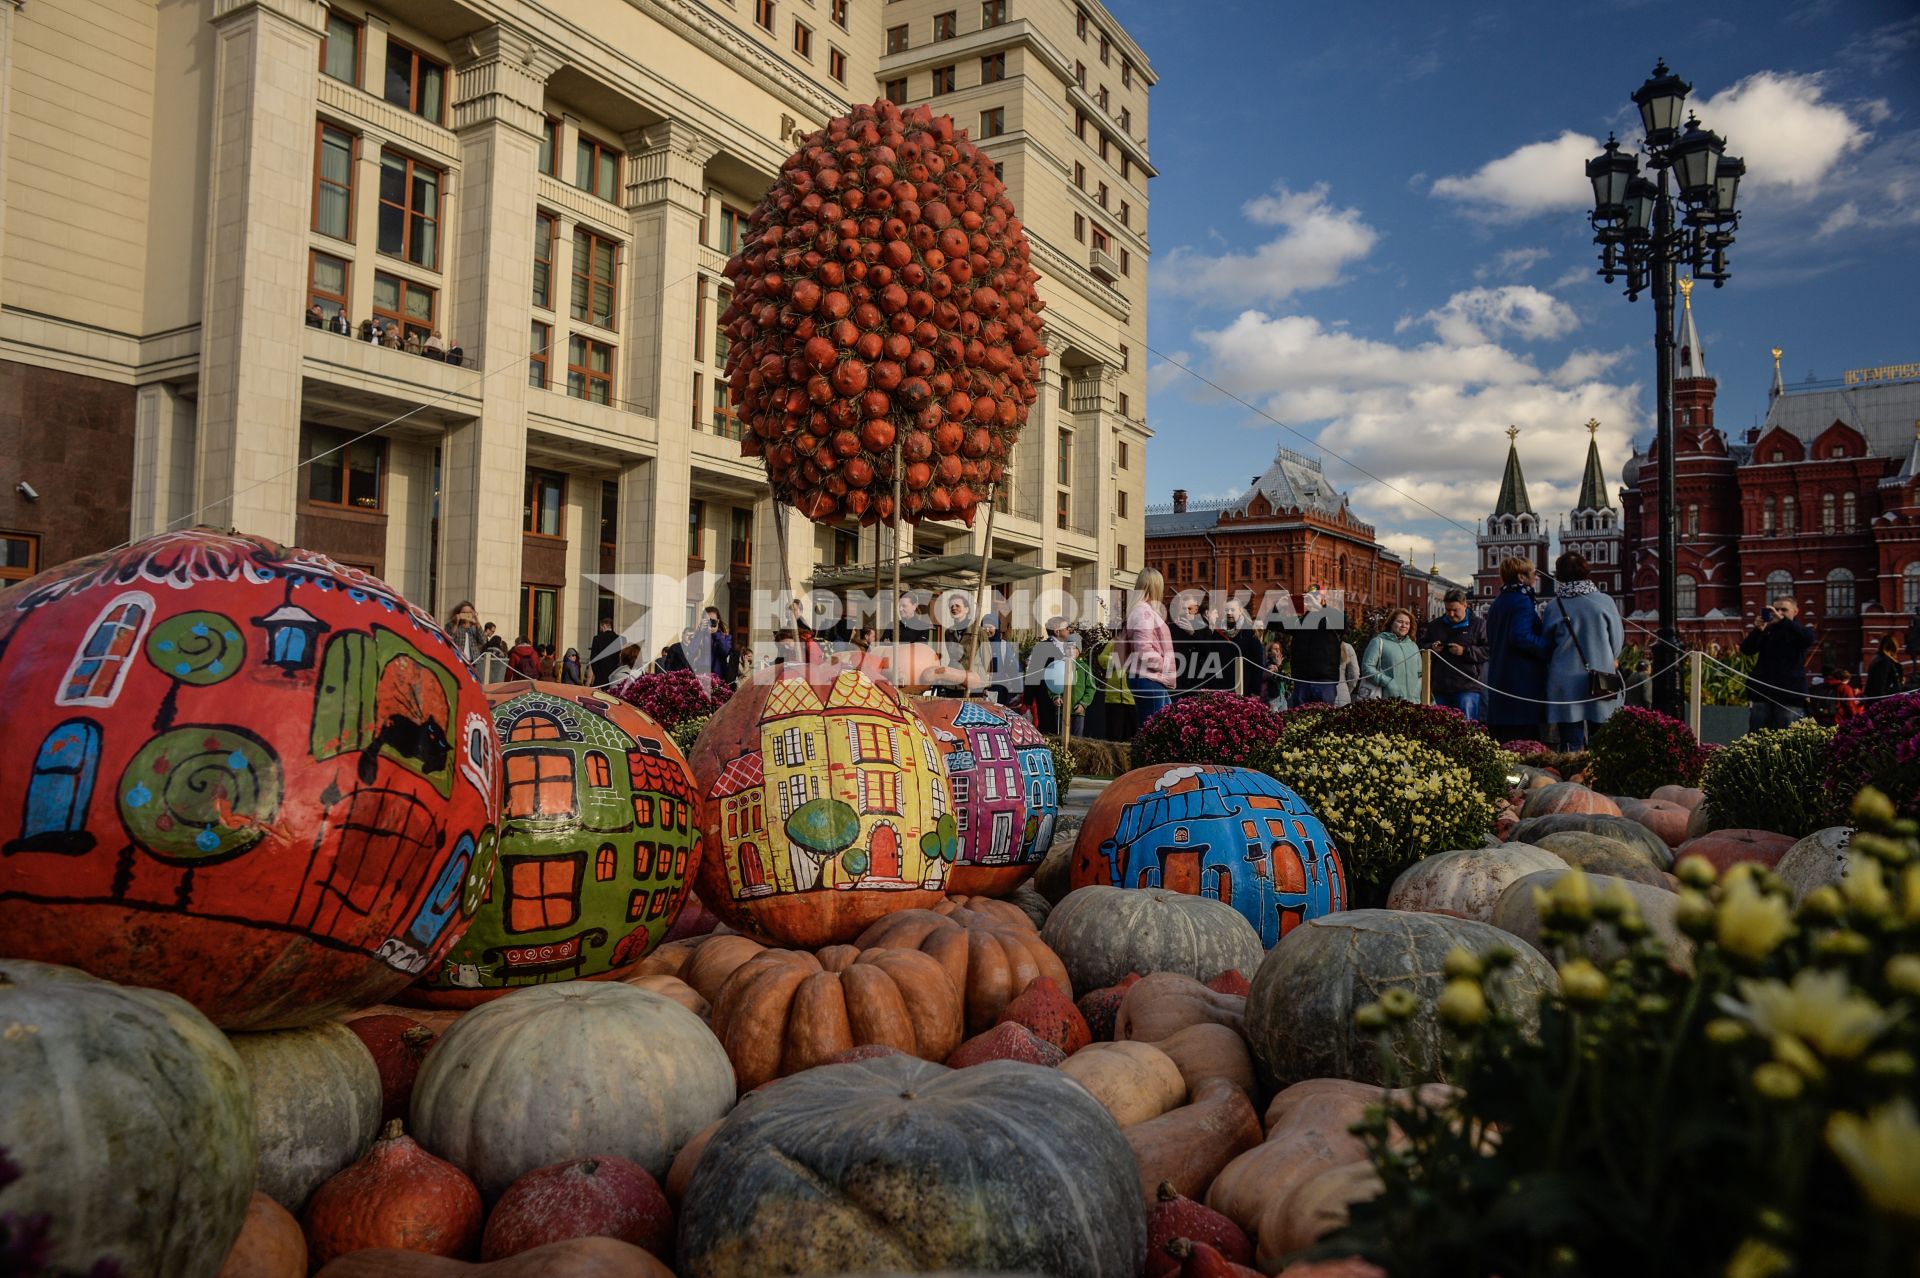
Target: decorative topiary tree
(1637,751)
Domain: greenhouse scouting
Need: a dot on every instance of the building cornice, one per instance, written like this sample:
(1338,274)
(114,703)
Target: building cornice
(1129,47)
(310,14)
(1050,260)
(706,30)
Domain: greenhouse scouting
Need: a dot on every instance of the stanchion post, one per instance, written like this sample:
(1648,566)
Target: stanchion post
(1696,679)
(1426,676)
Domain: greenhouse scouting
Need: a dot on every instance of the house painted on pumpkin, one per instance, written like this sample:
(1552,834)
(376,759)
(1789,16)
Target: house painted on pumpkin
(989,793)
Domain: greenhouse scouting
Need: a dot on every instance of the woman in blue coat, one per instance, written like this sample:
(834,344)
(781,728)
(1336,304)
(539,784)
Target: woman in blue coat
(1516,656)
(1581,622)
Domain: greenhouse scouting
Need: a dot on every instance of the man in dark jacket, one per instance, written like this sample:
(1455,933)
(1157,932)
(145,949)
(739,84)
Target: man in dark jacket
(1458,641)
(603,655)
(1313,643)
(1250,666)
(1777,689)
(1883,673)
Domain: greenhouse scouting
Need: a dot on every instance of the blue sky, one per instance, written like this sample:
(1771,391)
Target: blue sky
(1370,221)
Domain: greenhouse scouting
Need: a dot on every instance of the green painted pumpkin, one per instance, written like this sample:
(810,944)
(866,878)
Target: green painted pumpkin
(126,1113)
(1300,1009)
(316,1105)
(898,1164)
(573,1070)
(1103,933)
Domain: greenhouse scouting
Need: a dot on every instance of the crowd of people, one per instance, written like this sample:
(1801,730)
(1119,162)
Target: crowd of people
(385,332)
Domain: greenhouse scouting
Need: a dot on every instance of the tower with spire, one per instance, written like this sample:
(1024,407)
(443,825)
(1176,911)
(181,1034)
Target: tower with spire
(1513,530)
(1693,388)
(1592,529)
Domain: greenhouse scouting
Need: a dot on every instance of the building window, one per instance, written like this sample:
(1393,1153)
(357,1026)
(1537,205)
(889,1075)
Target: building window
(1065,472)
(839,11)
(1126,165)
(726,422)
(1080,74)
(943,80)
(733,231)
(343,468)
(897,91)
(1079,228)
(544,508)
(327,283)
(1693,519)
(19,556)
(722,344)
(545,228)
(1687,596)
(340,48)
(1080,126)
(993,13)
(539,345)
(1126,73)
(1125,405)
(543,892)
(1789,516)
(1102,196)
(993,123)
(415,83)
(1060,510)
(1120,557)
(550,147)
(596,168)
(897,39)
(407,304)
(1101,240)
(1766,514)
(1126,121)
(410,209)
(1126,213)
(803,39)
(945,25)
(1103,146)
(1080,23)
(1849,512)
(1120,503)
(595,274)
(1102,98)
(993,68)
(333,183)
(836,64)
(1079,175)
(1779,586)
(1840,601)
(1910,587)
(1828,514)
(763,13)
(1106,50)
(589,369)
(1123,454)
(699,400)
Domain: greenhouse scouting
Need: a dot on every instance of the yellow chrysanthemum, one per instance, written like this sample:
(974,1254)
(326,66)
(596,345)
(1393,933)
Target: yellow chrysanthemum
(1882,1154)
(1820,1009)
(1749,922)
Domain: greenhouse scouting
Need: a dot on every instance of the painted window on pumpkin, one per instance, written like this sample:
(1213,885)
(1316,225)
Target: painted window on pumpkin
(540,784)
(543,892)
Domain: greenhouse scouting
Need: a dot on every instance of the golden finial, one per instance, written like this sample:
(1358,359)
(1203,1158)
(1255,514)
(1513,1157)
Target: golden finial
(1686,294)
(1593,427)
(1777,353)
(1513,433)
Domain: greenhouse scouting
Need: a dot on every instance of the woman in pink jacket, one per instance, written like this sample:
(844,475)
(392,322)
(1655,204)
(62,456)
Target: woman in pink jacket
(1146,648)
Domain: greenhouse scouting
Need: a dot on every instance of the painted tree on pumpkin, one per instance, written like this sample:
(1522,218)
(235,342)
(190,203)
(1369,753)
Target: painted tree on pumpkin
(821,828)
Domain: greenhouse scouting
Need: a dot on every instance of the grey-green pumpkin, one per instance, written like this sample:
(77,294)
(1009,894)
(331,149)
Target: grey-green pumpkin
(1631,833)
(1102,933)
(898,1164)
(1300,1009)
(128,1117)
(316,1105)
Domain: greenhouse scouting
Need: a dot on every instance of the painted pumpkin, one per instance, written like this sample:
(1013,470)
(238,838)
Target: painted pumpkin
(246,774)
(317,1097)
(1103,934)
(127,1121)
(574,1070)
(897,1164)
(597,846)
(1005,797)
(822,807)
(1232,834)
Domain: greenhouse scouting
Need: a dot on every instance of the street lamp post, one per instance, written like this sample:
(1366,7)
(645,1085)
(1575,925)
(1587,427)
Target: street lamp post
(1634,224)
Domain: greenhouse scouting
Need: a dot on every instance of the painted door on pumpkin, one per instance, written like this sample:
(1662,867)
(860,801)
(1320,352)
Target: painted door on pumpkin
(62,785)
(884,852)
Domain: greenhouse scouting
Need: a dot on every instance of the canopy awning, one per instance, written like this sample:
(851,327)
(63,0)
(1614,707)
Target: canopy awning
(936,572)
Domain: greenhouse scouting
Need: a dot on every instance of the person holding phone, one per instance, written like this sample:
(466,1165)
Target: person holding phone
(1777,689)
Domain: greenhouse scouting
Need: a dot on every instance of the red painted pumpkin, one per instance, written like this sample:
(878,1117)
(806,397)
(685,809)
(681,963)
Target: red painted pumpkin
(246,774)
(399,1195)
(822,807)
(601,1197)
(597,846)
(1005,796)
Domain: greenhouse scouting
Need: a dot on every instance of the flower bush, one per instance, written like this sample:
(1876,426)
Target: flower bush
(1637,751)
(1063,766)
(1208,727)
(687,731)
(1773,780)
(674,696)
(1879,747)
(1527,750)
(1455,736)
(1387,801)
(1753,1116)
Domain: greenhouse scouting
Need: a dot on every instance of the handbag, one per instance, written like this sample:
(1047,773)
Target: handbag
(1601,684)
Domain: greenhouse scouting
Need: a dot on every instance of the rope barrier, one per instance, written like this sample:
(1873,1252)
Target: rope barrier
(1752,682)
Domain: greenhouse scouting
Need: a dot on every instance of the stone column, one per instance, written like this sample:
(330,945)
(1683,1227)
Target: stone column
(499,93)
(650,554)
(162,458)
(259,203)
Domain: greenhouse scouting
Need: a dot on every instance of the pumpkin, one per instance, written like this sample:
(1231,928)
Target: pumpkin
(1053,878)
(1103,933)
(710,964)
(1518,914)
(1007,1041)
(1724,849)
(1313,1209)
(1135,1081)
(1668,821)
(574,1258)
(598,787)
(1208,1051)
(819,871)
(1000,771)
(398,1044)
(785,1010)
(1309,1135)
(1174,1215)
(1195,1259)
(695,919)
(900,1164)
(680,1174)
(1816,861)
(986,911)
(270,1244)
(677,990)
(400,1196)
(1232,982)
(433,1019)
(1631,833)
(1161,1005)
(246,775)
(1567,796)
(549,1073)
(1043,1008)
(581,1198)
(317,1098)
(1101,1007)
(1599,854)
(1187,1147)
(1686,796)
(1466,882)
(127,1116)
(988,961)
(1300,1014)
(1233,834)
(1035,906)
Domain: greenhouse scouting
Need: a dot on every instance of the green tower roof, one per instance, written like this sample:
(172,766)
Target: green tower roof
(1593,486)
(1513,485)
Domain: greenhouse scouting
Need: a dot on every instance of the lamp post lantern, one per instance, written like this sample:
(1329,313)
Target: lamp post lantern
(1640,238)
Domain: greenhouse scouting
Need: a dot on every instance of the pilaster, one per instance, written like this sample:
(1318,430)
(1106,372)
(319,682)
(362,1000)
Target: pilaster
(258,205)
(650,553)
(666,164)
(8,8)
(162,455)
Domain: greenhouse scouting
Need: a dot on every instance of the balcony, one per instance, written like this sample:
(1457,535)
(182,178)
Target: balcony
(1104,265)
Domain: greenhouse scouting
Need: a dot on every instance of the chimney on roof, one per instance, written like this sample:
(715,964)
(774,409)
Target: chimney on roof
(1179,501)
(1753,434)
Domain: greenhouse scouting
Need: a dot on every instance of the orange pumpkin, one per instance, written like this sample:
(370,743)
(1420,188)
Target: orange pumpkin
(398,1195)
(988,963)
(969,910)
(574,1258)
(270,1244)
(1568,796)
(784,1011)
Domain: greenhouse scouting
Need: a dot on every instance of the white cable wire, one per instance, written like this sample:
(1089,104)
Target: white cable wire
(1752,682)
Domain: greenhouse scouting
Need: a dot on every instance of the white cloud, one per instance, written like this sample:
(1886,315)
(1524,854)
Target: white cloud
(1511,262)
(1317,242)
(1482,314)
(1847,215)
(1782,124)
(1540,177)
